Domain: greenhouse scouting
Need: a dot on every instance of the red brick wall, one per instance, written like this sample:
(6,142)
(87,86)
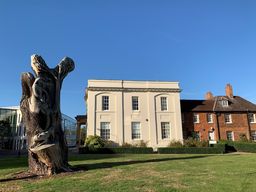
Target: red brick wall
(203,126)
(238,126)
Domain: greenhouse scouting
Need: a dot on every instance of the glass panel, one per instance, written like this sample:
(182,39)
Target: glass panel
(165,129)
(135,103)
(105,130)
(163,103)
(135,130)
(105,103)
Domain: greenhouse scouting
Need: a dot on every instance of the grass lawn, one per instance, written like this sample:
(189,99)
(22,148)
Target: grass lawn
(143,172)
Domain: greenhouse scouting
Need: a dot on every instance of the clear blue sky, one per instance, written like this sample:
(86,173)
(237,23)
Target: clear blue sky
(203,44)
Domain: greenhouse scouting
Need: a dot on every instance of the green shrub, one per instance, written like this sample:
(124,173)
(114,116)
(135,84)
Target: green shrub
(110,144)
(125,145)
(191,142)
(243,138)
(116,150)
(140,143)
(135,150)
(245,147)
(175,143)
(94,142)
(191,150)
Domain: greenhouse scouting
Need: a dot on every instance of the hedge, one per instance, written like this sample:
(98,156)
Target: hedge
(245,147)
(192,150)
(135,150)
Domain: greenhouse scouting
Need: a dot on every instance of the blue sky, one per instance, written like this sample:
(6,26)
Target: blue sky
(203,44)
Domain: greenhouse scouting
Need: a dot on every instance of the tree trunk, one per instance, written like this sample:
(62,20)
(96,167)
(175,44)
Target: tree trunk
(40,107)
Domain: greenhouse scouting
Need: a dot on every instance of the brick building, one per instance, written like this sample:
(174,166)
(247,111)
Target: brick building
(216,118)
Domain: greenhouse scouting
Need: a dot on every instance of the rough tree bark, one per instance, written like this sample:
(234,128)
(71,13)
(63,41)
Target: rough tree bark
(40,107)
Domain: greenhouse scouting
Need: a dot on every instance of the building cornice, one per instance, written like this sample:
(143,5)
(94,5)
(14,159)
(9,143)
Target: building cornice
(116,89)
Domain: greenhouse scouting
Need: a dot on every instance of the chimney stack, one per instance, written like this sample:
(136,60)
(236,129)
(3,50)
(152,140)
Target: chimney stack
(229,91)
(209,96)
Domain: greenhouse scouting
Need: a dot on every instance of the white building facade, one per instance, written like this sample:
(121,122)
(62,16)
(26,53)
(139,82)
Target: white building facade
(131,111)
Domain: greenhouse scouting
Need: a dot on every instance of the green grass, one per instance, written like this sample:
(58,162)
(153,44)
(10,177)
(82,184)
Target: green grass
(142,172)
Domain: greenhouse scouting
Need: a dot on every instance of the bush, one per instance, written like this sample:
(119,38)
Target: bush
(116,150)
(125,145)
(135,150)
(191,142)
(241,146)
(110,144)
(191,150)
(242,137)
(245,147)
(94,142)
(141,143)
(175,144)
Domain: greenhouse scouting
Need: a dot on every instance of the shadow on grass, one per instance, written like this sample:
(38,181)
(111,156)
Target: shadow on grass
(105,165)
(81,157)
(76,168)
(19,178)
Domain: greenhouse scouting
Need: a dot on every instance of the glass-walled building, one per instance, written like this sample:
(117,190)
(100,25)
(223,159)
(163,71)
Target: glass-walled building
(69,128)
(13,132)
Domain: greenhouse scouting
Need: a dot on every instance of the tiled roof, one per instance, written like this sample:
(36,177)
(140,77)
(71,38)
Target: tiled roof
(235,104)
(197,105)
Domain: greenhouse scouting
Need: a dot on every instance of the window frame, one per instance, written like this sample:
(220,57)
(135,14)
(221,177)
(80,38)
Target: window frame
(224,103)
(105,103)
(105,130)
(136,130)
(254,117)
(232,135)
(209,118)
(164,103)
(253,135)
(196,118)
(229,118)
(165,130)
(135,103)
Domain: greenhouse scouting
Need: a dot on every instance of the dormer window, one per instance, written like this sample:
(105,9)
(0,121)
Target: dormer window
(224,103)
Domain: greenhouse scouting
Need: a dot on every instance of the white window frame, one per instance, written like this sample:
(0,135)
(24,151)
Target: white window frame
(105,129)
(209,117)
(231,137)
(105,103)
(135,103)
(164,103)
(252,117)
(196,118)
(165,130)
(224,103)
(253,135)
(136,130)
(228,118)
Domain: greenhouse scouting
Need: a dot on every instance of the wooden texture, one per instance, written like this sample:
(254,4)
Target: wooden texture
(40,107)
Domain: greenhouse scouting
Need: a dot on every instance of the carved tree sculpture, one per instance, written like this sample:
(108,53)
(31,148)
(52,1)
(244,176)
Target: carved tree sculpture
(40,107)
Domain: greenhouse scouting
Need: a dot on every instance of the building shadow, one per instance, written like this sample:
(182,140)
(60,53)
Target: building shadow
(104,165)
(81,157)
